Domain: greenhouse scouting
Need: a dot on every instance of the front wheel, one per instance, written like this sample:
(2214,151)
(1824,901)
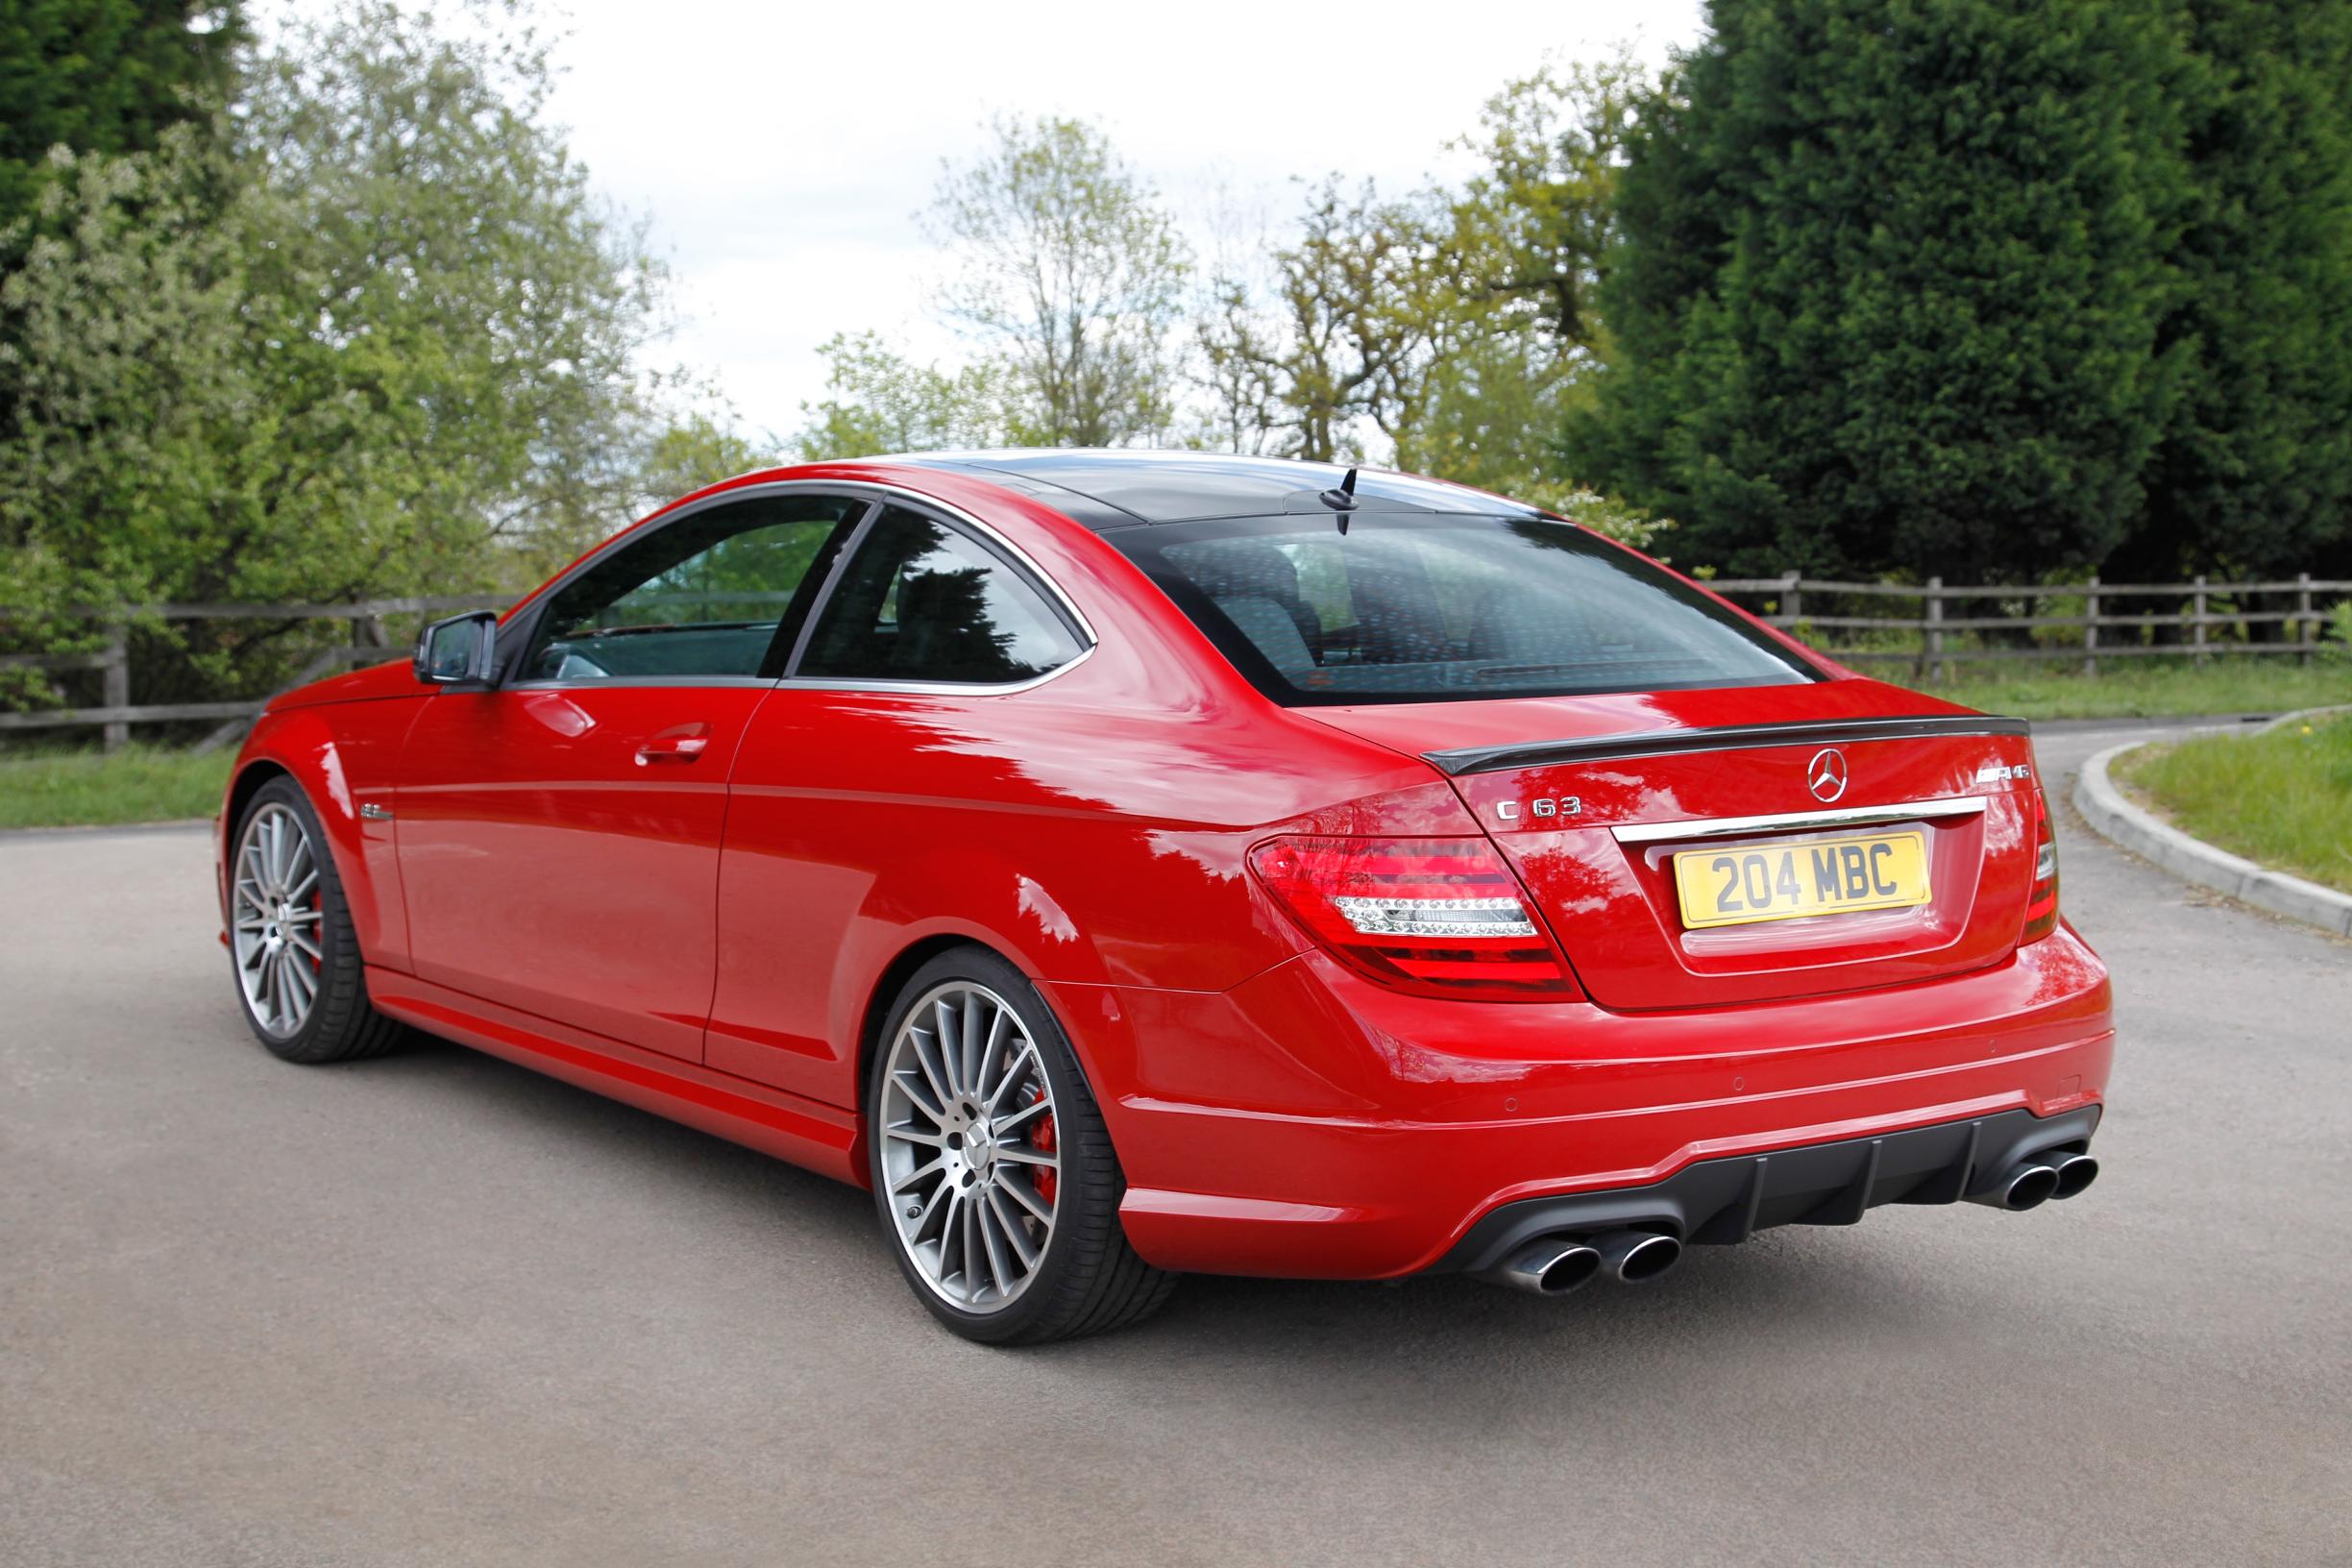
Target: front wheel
(299,972)
(992,1169)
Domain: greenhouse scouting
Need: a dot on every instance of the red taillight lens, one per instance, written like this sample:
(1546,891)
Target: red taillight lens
(1434,917)
(2041,907)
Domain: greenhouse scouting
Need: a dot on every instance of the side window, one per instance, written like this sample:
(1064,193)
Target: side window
(704,596)
(921,601)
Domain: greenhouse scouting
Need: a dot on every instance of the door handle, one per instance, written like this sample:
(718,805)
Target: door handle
(675,745)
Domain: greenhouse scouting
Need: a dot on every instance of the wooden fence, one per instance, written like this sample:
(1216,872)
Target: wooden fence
(2209,619)
(115,713)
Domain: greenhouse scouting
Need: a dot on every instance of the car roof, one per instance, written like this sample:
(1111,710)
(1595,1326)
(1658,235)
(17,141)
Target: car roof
(1111,488)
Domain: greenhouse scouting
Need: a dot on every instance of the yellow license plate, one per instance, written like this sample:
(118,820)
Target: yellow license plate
(1785,882)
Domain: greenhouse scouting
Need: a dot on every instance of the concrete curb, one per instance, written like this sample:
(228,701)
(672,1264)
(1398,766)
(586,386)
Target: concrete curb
(114,830)
(2104,806)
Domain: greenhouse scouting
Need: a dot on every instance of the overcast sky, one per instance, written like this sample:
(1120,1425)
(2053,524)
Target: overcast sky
(783,151)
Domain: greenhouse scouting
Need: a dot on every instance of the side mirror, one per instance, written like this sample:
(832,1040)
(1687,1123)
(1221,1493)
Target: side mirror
(461,650)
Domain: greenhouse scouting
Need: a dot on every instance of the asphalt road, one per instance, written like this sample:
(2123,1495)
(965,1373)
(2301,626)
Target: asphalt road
(438,1310)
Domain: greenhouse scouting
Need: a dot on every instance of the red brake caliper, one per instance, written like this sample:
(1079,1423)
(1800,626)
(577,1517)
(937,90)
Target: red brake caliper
(1042,1140)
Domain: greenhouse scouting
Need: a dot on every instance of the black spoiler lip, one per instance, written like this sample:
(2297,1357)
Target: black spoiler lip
(1653,742)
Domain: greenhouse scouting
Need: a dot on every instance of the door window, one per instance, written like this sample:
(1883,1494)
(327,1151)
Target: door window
(919,601)
(719,593)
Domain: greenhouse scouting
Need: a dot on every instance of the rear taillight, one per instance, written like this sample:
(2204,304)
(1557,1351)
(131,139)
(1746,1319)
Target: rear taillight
(1434,917)
(2041,907)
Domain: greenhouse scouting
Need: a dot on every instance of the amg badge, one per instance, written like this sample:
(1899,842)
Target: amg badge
(1561,805)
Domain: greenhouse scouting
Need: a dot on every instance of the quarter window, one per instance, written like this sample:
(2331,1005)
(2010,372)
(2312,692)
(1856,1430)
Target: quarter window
(919,601)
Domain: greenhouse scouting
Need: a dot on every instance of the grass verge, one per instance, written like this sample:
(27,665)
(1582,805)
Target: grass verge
(90,789)
(2244,685)
(2283,798)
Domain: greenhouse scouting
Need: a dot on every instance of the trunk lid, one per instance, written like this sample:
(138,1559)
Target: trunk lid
(1590,799)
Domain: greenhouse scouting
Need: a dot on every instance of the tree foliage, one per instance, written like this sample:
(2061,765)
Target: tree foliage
(374,333)
(103,76)
(1339,336)
(1891,284)
(2254,470)
(1066,272)
(878,400)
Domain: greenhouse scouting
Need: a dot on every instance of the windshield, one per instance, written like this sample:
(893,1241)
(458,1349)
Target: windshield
(1421,608)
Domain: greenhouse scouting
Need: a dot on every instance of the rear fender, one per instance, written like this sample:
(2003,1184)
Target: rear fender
(966,896)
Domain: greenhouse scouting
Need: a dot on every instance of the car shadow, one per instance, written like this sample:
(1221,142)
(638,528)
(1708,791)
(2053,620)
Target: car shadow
(1455,1348)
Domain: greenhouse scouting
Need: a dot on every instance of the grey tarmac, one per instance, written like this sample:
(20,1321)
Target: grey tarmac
(434,1308)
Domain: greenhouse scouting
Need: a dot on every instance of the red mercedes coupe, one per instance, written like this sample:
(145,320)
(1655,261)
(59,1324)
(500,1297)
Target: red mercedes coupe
(1127,863)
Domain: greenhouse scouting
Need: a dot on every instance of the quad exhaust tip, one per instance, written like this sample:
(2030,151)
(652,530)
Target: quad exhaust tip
(1633,1257)
(2029,1184)
(1553,1265)
(2037,1178)
(2076,1172)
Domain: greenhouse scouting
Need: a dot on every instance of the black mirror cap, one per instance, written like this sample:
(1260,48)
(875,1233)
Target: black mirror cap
(459,651)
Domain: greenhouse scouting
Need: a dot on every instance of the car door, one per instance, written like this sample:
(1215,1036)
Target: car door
(927,623)
(560,831)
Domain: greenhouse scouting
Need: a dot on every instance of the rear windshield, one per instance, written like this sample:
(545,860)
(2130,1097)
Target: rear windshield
(1421,608)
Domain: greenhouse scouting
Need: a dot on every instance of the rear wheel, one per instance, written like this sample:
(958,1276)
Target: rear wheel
(297,965)
(992,1170)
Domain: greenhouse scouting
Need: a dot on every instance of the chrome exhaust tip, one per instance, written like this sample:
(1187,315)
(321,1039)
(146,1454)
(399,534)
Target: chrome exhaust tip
(2076,1172)
(1551,1265)
(2027,1184)
(1633,1257)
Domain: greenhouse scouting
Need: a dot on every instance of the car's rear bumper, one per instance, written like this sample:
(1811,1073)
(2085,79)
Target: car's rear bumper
(1719,1202)
(1312,1124)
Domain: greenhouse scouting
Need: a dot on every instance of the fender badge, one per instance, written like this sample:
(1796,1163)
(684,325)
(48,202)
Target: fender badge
(375,813)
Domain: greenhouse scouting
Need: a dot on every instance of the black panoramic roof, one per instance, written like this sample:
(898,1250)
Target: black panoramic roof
(1111,488)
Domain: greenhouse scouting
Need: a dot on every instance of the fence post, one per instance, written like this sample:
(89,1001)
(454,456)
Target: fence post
(1935,631)
(2091,615)
(2198,636)
(1792,600)
(2307,625)
(117,689)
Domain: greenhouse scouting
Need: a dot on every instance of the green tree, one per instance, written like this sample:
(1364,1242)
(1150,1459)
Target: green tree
(1515,328)
(878,400)
(1066,272)
(699,447)
(1531,229)
(1890,283)
(1341,332)
(398,351)
(104,76)
(2254,473)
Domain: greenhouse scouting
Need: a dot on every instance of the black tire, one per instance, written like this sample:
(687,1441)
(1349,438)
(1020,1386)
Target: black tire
(342,1025)
(1088,1280)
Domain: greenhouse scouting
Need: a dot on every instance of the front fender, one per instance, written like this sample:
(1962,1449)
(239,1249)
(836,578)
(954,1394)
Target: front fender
(343,757)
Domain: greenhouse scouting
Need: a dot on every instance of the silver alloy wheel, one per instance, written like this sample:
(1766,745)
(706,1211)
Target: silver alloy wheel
(969,1146)
(275,915)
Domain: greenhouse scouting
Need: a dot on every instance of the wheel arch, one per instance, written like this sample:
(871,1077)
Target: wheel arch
(882,995)
(247,780)
(301,745)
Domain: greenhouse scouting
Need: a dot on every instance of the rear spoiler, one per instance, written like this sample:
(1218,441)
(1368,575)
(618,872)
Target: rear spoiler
(1487,759)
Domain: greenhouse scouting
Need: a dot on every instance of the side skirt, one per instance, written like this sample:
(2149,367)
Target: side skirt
(822,1138)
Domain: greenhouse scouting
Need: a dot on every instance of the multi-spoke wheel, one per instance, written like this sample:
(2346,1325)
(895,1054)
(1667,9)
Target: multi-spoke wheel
(274,916)
(967,1146)
(991,1166)
(298,966)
